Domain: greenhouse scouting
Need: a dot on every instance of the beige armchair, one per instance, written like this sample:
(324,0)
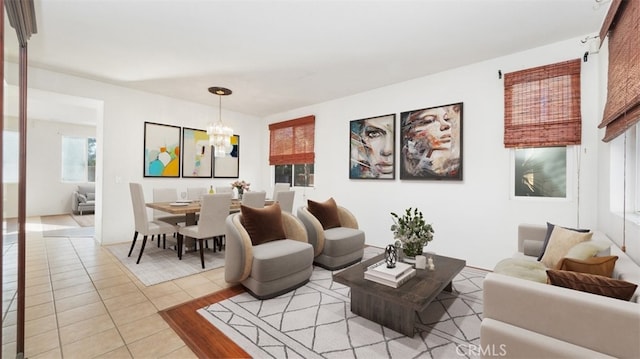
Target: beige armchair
(271,268)
(337,247)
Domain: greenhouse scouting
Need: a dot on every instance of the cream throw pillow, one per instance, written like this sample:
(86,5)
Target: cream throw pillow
(560,243)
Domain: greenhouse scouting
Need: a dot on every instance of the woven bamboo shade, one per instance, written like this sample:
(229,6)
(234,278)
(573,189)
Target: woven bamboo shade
(622,109)
(542,106)
(292,142)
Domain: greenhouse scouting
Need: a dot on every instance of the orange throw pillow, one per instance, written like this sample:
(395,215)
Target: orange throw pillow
(594,265)
(326,212)
(263,224)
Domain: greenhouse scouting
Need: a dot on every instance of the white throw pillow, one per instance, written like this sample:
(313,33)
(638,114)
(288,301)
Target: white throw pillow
(560,243)
(587,249)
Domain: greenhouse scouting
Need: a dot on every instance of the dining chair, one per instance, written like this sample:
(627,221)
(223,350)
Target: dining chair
(165,195)
(279,187)
(214,209)
(194,193)
(285,198)
(142,223)
(254,199)
(226,189)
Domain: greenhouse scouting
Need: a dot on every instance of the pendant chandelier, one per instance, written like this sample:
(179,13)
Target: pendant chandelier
(219,134)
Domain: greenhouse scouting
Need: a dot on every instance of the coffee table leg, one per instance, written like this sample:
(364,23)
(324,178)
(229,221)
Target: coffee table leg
(391,315)
(448,288)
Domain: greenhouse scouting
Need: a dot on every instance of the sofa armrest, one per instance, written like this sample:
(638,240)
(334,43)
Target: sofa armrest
(293,228)
(238,256)
(347,219)
(599,323)
(530,232)
(315,232)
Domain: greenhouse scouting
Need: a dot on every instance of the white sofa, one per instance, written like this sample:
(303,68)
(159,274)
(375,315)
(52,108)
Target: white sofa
(526,319)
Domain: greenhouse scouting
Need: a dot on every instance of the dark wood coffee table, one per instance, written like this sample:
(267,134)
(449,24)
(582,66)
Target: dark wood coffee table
(397,308)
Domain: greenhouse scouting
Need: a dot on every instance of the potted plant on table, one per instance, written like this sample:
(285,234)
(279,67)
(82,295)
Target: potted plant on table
(411,232)
(240,186)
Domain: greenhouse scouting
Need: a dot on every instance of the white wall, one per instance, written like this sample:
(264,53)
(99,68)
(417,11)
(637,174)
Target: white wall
(44,158)
(474,219)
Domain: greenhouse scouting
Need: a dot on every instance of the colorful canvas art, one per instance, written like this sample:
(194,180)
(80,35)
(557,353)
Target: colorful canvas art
(228,167)
(161,150)
(196,154)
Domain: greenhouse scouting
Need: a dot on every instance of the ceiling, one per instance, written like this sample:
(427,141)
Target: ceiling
(281,55)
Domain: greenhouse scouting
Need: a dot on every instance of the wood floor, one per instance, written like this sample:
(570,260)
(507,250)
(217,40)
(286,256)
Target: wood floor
(204,339)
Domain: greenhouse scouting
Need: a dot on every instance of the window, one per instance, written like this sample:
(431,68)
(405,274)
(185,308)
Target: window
(78,159)
(540,172)
(625,172)
(291,151)
(10,163)
(542,106)
(635,151)
(300,175)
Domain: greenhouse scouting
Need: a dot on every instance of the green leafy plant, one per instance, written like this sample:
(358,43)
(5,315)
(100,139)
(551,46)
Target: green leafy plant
(412,231)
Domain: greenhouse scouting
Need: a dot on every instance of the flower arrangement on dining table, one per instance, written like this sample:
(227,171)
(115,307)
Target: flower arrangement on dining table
(241,187)
(411,231)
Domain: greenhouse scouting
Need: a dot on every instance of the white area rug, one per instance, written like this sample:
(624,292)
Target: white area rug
(159,265)
(315,321)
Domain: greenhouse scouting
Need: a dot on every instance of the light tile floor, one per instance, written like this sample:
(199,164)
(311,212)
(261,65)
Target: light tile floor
(81,302)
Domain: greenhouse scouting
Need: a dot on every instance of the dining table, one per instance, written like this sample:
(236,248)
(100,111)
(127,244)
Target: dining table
(191,208)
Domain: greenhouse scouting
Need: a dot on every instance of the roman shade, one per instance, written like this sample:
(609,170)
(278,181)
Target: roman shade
(292,142)
(542,106)
(622,109)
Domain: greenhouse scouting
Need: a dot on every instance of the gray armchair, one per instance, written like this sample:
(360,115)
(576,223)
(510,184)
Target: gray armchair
(272,268)
(337,247)
(84,199)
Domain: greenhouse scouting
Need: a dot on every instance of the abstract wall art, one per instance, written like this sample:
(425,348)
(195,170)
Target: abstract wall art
(161,150)
(229,166)
(197,161)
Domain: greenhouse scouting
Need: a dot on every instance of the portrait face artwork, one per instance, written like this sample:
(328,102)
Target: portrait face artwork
(431,143)
(373,148)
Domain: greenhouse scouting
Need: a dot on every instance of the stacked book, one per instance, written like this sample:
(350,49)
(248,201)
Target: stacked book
(392,277)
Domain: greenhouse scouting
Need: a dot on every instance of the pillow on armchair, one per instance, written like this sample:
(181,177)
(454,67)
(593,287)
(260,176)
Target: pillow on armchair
(263,224)
(326,212)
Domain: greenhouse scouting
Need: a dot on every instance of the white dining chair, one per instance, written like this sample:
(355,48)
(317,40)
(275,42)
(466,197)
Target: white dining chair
(285,199)
(195,193)
(214,209)
(279,187)
(227,189)
(142,224)
(254,199)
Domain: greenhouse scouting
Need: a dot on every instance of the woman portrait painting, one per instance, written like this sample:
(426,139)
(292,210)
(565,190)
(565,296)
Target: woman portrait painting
(431,146)
(372,148)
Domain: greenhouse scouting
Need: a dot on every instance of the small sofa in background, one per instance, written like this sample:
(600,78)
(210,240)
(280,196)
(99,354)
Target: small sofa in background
(84,199)
(524,318)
